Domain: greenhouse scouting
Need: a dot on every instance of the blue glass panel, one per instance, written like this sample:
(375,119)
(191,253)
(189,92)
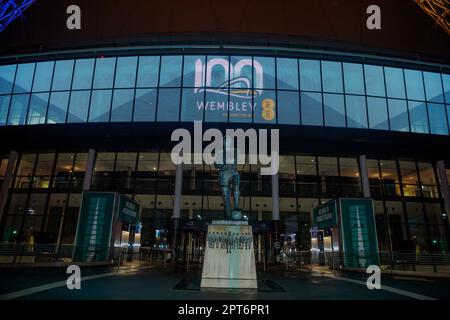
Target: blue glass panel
(170,71)
(104,73)
(57,107)
(438,118)
(122,105)
(448,114)
(433,87)
(446,83)
(264,72)
(356,111)
(38,108)
(334,110)
(220,112)
(414,85)
(310,75)
(168,105)
(82,78)
(62,78)
(24,78)
(240,109)
(311,109)
(265,107)
(418,117)
(395,84)
(4,106)
(100,106)
(194,71)
(79,106)
(43,76)
(332,76)
(241,73)
(353,78)
(218,73)
(398,115)
(287,74)
(374,80)
(18,109)
(192,105)
(125,72)
(148,71)
(145,105)
(378,114)
(7,78)
(288,107)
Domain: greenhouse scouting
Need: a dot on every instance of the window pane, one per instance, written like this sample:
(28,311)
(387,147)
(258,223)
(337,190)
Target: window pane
(310,75)
(62,77)
(240,110)
(311,105)
(263,72)
(18,110)
(7,78)
(217,72)
(426,173)
(395,85)
(265,108)
(79,105)
(191,107)
(378,115)
(38,108)
(433,87)
(356,111)
(446,84)
(374,80)
(145,105)
(57,108)
(398,115)
(287,74)
(408,171)
(418,117)
(82,78)
(353,77)
(170,71)
(122,105)
(332,76)
(241,75)
(220,112)
(43,76)
(288,107)
(4,106)
(126,72)
(24,77)
(148,71)
(104,73)
(414,85)
(194,71)
(168,104)
(334,109)
(100,106)
(438,118)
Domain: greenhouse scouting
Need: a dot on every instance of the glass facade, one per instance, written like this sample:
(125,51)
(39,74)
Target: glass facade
(248,89)
(46,193)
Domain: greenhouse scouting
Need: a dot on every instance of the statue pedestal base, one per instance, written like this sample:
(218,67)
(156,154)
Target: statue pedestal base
(229,256)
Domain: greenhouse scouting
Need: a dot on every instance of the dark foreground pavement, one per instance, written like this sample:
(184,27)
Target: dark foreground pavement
(155,283)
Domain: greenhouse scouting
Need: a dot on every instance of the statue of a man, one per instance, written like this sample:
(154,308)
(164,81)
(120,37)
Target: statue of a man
(229,179)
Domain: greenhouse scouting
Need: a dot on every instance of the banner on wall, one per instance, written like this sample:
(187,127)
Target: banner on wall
(325,215)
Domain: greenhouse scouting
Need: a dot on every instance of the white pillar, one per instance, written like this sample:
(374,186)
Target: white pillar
(364,176)
(442,175)
(89,170)
(7,181)
(275,198)
(177,195)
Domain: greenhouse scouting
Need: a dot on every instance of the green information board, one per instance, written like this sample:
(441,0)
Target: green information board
(325,215)
(129,210)
(94,226)
(359,235)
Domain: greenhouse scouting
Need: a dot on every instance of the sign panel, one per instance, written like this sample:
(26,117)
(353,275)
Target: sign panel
(128,209)
(359,235)
(325,215)
(94,226)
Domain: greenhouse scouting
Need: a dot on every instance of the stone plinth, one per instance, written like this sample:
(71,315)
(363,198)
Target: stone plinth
(229,257)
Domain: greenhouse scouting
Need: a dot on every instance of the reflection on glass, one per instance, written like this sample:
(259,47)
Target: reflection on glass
(418,117)
(287,74)
(43,76)
(4,106)
(395,84)
(414,85)
(38,108)
(57,107)
(7,74)
(356,111)
(398,115)
(82,77)
(62,77)
(100,106)
(353,78)
(18,109)
(122,105)
(311,109)
(170,71)
(310,79)
(438,118)
(24,77)
(378,115)
(145,105)
(168,105)
(126,72)
(332,77)
(288,107)
(334,110)
(78,108)
(374,80)
(433,87)
(148,71)
(104,73)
